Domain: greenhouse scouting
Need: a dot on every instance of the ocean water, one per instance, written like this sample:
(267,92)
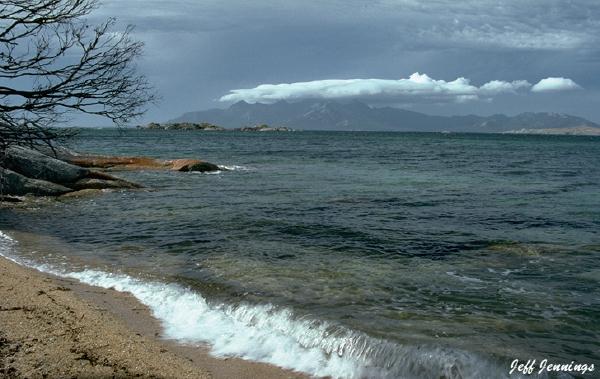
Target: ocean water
(350,255)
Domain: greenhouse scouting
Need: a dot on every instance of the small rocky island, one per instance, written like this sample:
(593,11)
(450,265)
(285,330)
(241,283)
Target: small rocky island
(264,128)
(211,127)
(572,131)
(182,126)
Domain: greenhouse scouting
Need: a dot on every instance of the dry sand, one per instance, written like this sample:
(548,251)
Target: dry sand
(56,328)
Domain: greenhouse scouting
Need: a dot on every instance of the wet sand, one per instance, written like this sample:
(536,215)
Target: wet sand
(53,327)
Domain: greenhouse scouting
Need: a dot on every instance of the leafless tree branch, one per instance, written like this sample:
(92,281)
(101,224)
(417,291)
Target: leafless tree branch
(52,63)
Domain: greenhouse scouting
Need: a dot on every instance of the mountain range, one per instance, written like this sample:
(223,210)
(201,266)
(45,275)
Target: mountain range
(355,115)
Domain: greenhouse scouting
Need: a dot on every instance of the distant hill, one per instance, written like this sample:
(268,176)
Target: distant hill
(574,131)
(332,115)
(182,126)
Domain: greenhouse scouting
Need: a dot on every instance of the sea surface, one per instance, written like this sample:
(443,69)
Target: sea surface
(348,254)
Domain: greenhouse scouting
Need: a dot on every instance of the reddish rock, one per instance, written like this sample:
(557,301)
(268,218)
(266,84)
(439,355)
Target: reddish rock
(130,163)
(140,163)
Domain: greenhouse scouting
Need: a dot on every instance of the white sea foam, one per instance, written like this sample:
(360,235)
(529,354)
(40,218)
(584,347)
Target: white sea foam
(225,168)
(6,245)
(266,333)
(235,168)
(5,237)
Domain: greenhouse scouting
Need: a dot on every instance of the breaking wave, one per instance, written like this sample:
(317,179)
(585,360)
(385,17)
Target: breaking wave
(270,334)
(235,168)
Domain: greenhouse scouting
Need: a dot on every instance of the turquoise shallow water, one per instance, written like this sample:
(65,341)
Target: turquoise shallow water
(484,246)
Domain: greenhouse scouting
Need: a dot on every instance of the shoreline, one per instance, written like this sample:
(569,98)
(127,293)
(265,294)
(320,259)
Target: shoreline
(56,327)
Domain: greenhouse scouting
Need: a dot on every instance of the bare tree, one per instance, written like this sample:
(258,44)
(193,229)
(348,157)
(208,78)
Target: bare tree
(52,63)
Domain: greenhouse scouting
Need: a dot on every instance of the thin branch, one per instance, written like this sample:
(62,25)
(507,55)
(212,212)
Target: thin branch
(53,63)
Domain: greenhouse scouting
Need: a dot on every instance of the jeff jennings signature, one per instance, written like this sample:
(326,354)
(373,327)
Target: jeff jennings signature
(532,366)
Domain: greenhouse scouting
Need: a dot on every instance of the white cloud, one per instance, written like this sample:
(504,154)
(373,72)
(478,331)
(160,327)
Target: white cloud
(498,86)
(555,85)
(416,87)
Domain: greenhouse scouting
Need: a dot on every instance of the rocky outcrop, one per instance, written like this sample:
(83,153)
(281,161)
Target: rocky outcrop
(12,183)
(143,163)
(25,171)
(35,165)
(109,162)
(59,152)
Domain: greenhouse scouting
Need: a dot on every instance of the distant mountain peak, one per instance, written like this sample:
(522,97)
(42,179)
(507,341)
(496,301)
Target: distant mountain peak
(356,115)
(240,104)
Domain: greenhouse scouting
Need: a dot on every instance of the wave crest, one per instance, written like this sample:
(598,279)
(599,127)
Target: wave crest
(270,334)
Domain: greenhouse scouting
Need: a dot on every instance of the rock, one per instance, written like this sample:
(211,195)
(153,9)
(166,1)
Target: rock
(106,162)
(140,163)
(82,193)
(36,165)
(179,164)
(26,171)
(93,183)
(201,167)
(59,152)
(13,183)
(193,165)
(101,180)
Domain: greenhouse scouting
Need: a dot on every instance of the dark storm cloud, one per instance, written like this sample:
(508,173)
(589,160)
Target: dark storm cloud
(198,51)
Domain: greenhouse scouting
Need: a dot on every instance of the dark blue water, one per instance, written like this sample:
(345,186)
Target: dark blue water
(483,244)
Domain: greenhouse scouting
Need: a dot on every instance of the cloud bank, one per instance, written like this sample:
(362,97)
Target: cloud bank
(418,87)
(555,85)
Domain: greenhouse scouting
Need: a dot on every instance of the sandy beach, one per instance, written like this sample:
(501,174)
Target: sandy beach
(52,327)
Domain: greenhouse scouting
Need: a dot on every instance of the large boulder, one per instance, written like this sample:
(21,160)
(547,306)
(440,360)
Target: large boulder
(35,165)
(58,151)
(193,165)
(26,171)
(108,162)
(142,163)
(12,183)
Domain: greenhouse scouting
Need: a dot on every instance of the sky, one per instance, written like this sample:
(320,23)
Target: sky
(438,56)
